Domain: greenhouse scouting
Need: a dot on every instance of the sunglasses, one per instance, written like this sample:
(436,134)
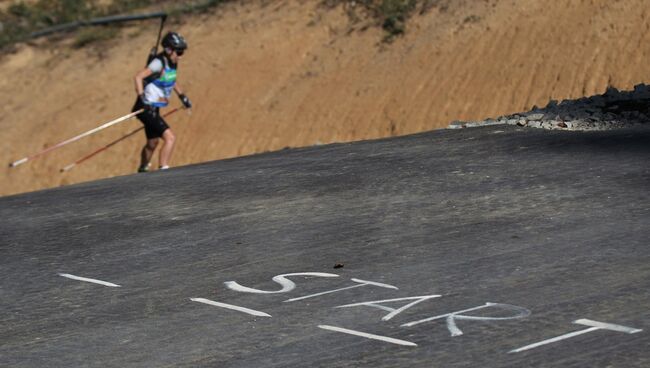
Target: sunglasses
(180,52)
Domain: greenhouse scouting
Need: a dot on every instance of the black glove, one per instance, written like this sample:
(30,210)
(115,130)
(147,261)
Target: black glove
(150,109)
(186,101)
(144,103)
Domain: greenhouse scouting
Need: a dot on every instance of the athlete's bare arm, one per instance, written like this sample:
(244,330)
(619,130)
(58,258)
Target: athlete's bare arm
(178,89)
(139,78)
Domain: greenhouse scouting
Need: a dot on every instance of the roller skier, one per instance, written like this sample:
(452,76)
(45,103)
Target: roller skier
(154,85)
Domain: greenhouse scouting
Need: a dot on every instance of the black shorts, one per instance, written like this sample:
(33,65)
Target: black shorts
(154,124)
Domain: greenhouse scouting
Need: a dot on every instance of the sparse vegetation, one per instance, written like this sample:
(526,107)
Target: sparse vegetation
(395,13)
(24,17)
(91,35)
(391,15)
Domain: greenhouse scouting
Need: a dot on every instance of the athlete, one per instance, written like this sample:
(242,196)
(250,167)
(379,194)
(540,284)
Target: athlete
(154,85)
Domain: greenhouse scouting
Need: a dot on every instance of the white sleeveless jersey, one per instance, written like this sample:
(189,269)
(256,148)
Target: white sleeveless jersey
(158,91)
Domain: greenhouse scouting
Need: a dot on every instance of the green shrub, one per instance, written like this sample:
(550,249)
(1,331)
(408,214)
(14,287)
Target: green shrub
(391,15)
(395,13)
(91,35)
(19,10)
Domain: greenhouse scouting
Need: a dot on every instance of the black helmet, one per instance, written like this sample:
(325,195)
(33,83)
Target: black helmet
(174,41)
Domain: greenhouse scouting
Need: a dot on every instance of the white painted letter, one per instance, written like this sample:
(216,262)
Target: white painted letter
(361,283)
(393,311)
(594,326)
(452,317)
(287,285)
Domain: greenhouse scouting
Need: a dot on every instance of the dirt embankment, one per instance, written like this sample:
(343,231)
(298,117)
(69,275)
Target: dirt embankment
(288,74)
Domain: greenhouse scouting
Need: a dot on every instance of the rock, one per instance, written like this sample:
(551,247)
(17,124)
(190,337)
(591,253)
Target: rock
(610,110)
(641,91)
(535,117)
(596,116)
(612,92)
(456,125)
(567,117)
(493,122)
(546,125)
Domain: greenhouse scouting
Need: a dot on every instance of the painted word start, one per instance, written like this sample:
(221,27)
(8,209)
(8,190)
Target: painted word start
(286,285)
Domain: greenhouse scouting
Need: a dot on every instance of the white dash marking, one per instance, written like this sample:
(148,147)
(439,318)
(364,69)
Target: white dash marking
(368,335)
(85,279)
(555,339)
(252,312)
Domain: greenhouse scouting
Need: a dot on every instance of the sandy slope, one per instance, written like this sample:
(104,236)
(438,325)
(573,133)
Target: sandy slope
(264,77)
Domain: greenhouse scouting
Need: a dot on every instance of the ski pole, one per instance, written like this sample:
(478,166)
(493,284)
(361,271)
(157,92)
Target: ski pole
(69,167)
(154,50)
(61,144)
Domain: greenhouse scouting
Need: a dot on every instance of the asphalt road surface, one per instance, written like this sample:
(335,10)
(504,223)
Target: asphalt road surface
(488,247)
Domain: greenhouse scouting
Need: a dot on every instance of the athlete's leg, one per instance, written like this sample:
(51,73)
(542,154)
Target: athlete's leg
(147,152)
(168,147)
